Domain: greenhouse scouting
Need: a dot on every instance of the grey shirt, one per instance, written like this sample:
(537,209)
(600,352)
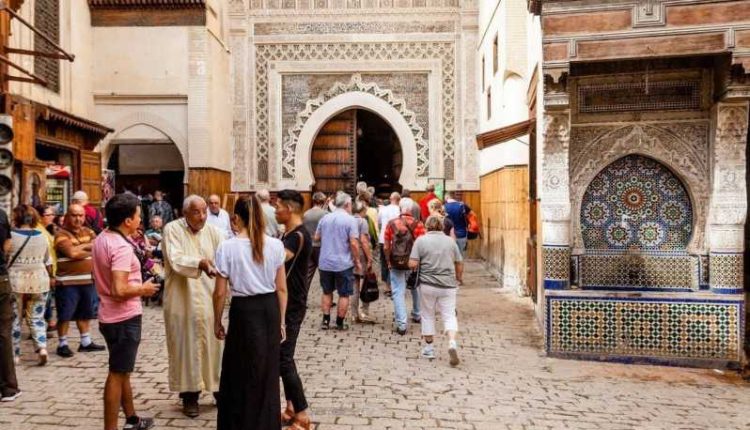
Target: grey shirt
(437,255)
(311,219)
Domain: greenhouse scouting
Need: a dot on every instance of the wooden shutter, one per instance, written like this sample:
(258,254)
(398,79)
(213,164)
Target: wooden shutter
(91,176)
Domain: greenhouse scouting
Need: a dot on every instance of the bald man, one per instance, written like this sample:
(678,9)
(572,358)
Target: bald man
(75,295)
(218,217)
(189,246)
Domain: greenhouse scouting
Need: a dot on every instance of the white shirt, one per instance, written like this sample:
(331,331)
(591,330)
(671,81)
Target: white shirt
(234,260)
(385,215)
(222,222)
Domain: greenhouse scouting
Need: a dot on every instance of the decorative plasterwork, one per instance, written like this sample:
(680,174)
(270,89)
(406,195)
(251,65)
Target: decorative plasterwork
(555,185)
(680,146)
(289,145)
(729,200)
(268,54)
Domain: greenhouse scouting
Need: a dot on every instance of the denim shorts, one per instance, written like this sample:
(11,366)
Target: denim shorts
(76,302)
(341,282)
(123,339)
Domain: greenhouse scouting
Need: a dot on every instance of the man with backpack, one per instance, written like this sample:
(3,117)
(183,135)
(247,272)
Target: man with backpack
(458,213)
(400,234)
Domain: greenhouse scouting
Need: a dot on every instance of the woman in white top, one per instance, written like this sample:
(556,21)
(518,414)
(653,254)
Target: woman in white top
(28,269)
(251,266)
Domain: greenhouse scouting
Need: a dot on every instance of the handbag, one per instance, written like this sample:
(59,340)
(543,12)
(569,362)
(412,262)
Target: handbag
(370,291)
(412,282)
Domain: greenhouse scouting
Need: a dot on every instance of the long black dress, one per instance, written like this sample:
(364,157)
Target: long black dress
(249,385)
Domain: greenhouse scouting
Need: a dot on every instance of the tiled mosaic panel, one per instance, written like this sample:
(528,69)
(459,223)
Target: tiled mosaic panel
(726,271)
(640,271)
(636,203)
(556,263)
(658,329)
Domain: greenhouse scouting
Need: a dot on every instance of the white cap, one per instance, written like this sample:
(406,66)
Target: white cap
(80,196)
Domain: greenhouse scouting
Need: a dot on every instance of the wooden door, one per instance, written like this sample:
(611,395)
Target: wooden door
(334,157)
(91,175)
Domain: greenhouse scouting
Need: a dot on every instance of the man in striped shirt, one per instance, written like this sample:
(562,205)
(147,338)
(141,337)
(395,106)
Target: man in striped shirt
(75,294)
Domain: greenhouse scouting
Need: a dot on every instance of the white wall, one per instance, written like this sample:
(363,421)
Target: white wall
(75,77)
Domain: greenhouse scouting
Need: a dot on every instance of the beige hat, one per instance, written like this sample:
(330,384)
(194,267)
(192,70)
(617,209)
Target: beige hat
(80,196)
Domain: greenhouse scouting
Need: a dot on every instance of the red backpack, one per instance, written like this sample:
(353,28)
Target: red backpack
(403,241)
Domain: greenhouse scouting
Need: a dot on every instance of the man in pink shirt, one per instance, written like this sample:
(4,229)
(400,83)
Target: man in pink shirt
(117,272)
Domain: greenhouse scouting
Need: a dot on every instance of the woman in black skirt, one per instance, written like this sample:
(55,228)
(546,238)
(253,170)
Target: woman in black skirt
(251,265)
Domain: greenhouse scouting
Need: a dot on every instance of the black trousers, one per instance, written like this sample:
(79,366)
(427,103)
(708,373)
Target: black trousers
(293,390)
(249,386)
(8,381)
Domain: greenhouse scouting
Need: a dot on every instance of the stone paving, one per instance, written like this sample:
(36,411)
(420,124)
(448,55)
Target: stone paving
(372,378)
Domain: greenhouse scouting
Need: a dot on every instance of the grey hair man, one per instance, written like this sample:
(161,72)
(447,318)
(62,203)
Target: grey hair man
(194,352)
(310,220)
(338,234)
(406,199)
(361,187)
(161,208)
(272,227)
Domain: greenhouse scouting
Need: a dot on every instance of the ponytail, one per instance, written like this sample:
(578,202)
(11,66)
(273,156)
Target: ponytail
(251,213)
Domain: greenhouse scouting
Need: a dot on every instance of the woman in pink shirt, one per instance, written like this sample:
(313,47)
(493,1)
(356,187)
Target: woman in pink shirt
(117,272)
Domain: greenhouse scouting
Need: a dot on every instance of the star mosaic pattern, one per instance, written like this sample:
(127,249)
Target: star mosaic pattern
(636,203)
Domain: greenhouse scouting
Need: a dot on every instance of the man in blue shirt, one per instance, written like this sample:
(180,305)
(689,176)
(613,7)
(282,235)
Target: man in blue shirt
(457,212)
(338,234)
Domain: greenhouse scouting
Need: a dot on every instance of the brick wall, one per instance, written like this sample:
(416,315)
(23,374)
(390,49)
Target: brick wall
(47,20)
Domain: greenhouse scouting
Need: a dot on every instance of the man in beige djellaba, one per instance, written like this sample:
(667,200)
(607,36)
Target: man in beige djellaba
(189,245)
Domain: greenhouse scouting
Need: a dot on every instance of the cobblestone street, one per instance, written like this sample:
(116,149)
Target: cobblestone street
(370,377)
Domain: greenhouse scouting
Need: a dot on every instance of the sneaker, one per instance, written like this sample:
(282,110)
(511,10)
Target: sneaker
(325,326)
(416,320)
(453,353)
(43,356)
(401,331)
(92,347)
(342,327)
(64,351)
(10,398)
(428,352)
(143,423)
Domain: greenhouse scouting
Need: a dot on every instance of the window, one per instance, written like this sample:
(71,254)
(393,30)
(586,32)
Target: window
(489,103)
(47,20)
(494,56)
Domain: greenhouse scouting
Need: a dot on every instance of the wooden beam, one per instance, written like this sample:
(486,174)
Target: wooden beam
(504,134)
(37,78)
(55,55)
(36,31)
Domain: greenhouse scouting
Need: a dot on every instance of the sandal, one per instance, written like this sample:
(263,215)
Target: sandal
(300,425)
(287,417)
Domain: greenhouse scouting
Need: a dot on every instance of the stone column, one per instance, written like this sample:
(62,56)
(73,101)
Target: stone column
(728,198)
(555,193)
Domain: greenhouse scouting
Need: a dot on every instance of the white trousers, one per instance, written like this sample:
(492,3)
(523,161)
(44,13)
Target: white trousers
(442,300)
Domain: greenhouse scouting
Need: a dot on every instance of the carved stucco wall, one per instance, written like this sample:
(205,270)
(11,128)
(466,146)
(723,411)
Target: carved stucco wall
(420,51)
(681,146)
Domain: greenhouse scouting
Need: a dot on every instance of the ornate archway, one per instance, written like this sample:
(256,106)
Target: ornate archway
(297,147)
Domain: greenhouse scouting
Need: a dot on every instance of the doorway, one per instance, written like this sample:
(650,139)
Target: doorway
(356,145)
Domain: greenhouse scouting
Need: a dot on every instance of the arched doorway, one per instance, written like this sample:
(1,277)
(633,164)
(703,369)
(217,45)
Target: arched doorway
(143,160)
(356,145)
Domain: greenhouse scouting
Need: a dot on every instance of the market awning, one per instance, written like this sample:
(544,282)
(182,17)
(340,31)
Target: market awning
(504,134)
(49,113)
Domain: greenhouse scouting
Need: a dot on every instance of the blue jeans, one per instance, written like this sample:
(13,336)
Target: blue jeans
(398,290)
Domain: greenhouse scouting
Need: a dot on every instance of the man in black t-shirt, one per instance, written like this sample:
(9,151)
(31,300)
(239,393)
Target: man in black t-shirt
(298,247)
(8,382)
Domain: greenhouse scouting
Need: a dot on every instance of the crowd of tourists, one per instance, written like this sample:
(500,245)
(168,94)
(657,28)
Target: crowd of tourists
(264,257)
